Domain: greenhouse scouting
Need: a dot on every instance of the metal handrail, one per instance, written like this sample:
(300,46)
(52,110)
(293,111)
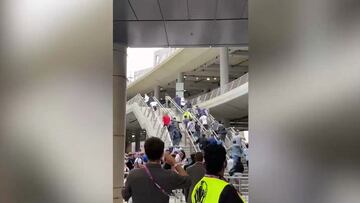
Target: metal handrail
(190,136)
(212,120)
(221,90)
(228,138)
(195,118)
(151,116)
(233,131)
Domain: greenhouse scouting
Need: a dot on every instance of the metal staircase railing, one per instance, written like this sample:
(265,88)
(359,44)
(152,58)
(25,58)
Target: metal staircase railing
(241,181)
(167,98)
(148,119)
(151,121)
(221,90)
(203,129)
(210,118)
(231,132)
(228,139)
(188,135)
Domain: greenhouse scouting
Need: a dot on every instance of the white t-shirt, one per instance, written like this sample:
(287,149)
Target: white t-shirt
(153,103)
(230,164)
(236,140)
(182,101)
(146,98)
(191,126)
(203,119)
(138,162)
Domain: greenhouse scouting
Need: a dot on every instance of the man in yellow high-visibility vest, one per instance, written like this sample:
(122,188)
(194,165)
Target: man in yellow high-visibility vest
(187,115)
(213,188)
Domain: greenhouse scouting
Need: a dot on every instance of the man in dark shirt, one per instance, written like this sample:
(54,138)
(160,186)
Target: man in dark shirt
(177,100)
(213,187)
(202,141)
(197,130)
(130,161)
(196,172)
(152,184)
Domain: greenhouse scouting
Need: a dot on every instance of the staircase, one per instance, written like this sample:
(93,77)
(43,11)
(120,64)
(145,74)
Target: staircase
(187,141)
(239,180)
(227,142)
(151,121)
(148,119)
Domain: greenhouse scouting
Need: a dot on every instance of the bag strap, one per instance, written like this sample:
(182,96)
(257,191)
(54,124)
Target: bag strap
(155,183)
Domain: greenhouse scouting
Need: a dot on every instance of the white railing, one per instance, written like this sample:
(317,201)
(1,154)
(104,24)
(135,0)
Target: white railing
(203,129)
(154,125)
(228,140)
(183,128)
(231,133)
(221,90)
(237,181)
(167,98)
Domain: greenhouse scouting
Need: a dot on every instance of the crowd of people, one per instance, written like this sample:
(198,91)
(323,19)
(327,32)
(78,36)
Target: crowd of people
(201,178)
(135,160)
(205,131)
(139,159)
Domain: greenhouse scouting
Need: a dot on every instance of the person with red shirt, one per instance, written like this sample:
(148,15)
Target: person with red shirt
(166,120)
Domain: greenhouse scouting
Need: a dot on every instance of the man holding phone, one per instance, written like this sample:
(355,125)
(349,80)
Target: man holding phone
(153,183)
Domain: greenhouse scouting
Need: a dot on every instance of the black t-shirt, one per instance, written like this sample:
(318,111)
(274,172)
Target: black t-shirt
(197,127)
(130,163)
(230,195)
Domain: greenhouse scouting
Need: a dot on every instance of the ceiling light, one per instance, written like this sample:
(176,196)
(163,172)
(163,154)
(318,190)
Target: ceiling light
(197,78)
(184,76)
(214,78)
(207,78)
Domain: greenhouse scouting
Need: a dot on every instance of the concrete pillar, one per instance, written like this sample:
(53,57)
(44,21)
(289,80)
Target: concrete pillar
(224,66)
(180,85)
(119,109)
(157,92)
(304,107)
(128,147)
(56,102)
(127,142)
(180,77)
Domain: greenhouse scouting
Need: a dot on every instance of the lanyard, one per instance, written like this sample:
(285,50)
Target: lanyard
(155,183)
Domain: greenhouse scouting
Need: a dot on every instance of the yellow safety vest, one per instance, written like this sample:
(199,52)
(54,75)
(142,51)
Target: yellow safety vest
(208,190)
(187,114)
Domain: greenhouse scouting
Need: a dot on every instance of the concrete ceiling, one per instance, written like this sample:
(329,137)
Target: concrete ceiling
(200,67)
(200,79)
(234,109)
(166,72)
(180,23)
